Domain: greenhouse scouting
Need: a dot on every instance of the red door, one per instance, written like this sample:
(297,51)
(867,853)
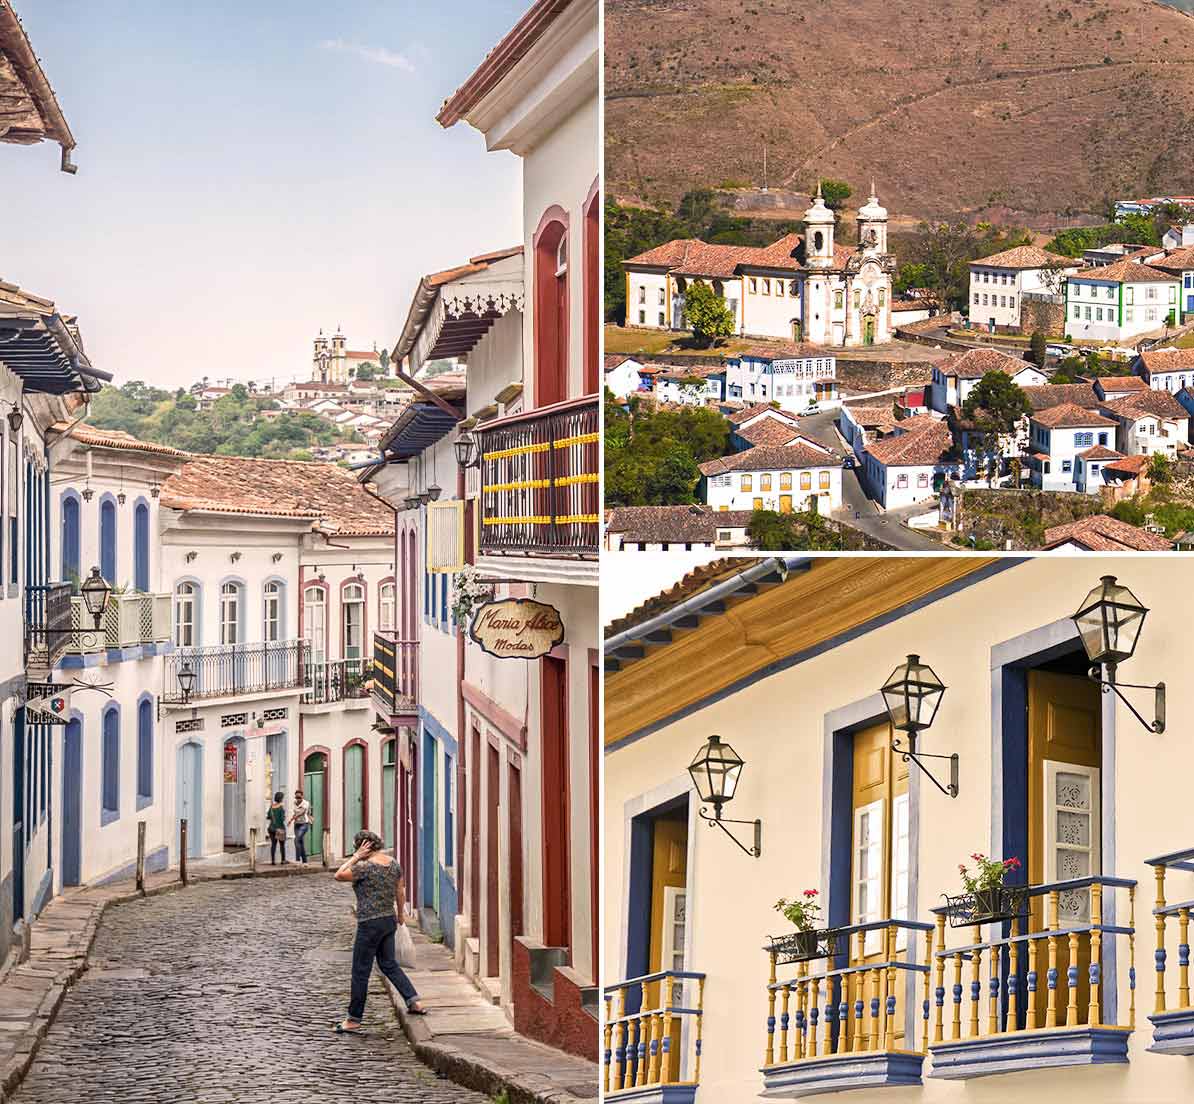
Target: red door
(492,967)
(553,711)
(474,905)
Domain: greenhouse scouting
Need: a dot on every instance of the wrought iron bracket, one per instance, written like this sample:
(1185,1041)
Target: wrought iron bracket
(718,821)
(1111,686)
(910,754)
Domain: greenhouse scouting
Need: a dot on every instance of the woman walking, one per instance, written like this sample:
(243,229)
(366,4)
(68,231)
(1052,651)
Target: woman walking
(381,900)
(276,823)
(302,825)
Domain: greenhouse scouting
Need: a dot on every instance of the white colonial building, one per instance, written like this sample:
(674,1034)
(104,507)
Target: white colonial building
(1168,369)
(1119,302)
(909,465)
(1058,436)
(785,478)
(799,288)
(796,376)
(999,283)
(955,378)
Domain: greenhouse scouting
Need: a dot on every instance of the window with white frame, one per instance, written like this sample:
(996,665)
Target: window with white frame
(271,613)
(352,612)
(230,613)
(385,607)
(315,612)
(186,604)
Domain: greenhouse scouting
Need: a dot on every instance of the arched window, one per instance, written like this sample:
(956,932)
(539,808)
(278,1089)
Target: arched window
(108,540)
(271,630)
(141,547)
(551,308)
(144,753)
(315,624)
(70,540)
(352,612)
(592,288)
(386,607)
(110,766)
(230,613)
(186,615)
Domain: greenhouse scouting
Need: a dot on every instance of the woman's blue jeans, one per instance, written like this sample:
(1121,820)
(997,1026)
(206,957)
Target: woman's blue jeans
(375,940)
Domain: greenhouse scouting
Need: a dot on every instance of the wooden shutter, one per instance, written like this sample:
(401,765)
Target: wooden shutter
(445,536)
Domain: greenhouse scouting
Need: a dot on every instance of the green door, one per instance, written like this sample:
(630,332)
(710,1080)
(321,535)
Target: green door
(314,774)
(354,794)
(387,793)
(869,336)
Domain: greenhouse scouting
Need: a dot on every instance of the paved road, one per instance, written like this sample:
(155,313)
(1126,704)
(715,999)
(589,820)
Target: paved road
(225,993)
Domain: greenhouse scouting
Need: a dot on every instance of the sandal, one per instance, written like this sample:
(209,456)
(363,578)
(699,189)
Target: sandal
(340,1029)
(416,1011)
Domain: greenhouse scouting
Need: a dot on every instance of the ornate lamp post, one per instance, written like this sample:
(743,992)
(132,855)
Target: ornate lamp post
(95,591)
(715,771)
(467,453)
(912,694)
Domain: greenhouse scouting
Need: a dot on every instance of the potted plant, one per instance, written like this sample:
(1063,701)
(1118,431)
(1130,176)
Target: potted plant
(468,592)
(986,898)
(804,913)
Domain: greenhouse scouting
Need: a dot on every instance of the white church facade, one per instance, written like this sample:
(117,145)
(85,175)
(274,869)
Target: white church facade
(801,288)
(332,362)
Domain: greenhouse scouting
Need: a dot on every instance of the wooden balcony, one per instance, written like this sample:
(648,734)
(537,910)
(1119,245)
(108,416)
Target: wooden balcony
(395,681)
(540,494)
(652,1031)
(128,620)
(1172,1016)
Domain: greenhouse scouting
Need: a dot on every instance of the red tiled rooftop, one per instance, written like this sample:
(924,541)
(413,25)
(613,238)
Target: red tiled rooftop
(1101,533)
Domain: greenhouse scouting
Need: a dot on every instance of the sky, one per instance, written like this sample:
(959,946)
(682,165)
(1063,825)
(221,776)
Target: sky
(249,172)
(629,578)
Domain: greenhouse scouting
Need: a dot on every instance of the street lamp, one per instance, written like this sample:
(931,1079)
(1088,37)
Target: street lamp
(467,453)
(1109,621)
(412,502)
(434,491)
(95,591)
(186,680)
(715,771)
(912,695)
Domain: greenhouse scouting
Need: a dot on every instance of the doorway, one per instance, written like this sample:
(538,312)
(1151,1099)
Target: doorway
(315,791)
(492,921)
(553,730)
(868,330)
(189,796)
(72,803)
(474,822)
(388,833)
(275,765)
(354,794)
(234,792)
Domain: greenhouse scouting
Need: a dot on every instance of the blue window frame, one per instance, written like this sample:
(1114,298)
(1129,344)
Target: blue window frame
(70,538)
(141,547)
(1083,440)
(426,595)
(449,828)
(107,535)
(144,753)
(1102,438)
(110,766)
(443,600)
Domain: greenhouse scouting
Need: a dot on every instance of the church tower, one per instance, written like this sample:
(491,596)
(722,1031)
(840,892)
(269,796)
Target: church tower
(319,360)
(818,239)
(872,225)
(339,365)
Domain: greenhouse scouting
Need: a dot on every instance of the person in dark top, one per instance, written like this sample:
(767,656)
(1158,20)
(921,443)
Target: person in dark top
(276,825)
(381,898)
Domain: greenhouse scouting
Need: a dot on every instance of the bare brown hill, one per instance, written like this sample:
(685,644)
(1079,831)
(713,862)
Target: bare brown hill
(954,107)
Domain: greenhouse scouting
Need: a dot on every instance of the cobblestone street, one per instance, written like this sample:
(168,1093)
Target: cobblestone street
(227,991)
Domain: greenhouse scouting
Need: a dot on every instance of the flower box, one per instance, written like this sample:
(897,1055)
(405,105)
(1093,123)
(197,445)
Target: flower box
(804,946)
(986,906)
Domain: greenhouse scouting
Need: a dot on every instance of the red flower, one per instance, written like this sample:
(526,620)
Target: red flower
(961,869)
(810,893)
(978,858)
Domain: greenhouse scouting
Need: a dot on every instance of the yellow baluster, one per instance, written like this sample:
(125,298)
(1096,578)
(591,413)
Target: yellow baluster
(644,1041)
(1094,1011)
(609,1036)
(1183,993)
(859,1026)
(1030,998)
(812,1028)
(1051,1010)
(1160,925)
(1014,979)
(928,986)
(700,1020)
(833,985)
(801,1014)
(620,1034)
(957,1003)
(769,1054)
(976,965)
(1132,954)
(889,936)
(1071,1008)
(665,1053)
(883,1043)
(939,1025)
(783,1023)
(874,1034)
(993,991)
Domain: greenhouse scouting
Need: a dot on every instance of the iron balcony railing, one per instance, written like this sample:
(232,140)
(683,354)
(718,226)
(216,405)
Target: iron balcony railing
(395,681)
(653,1032)
(230,670)
(335,680)
(539,481)
(47,624)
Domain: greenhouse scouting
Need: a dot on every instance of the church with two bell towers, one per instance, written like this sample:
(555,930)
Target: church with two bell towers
(805,288)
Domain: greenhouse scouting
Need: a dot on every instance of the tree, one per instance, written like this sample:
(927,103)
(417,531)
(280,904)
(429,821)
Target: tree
(946,249)
(995,406)
(1037,343)
(367,371)
(769,531)
(1160,468)
(835,193)
(707,313)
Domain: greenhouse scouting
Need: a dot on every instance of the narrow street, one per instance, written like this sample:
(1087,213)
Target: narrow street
(226,993)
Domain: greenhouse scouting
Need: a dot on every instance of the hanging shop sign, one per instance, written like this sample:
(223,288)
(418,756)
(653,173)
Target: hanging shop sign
(48,703)
(517,628)
(231,764)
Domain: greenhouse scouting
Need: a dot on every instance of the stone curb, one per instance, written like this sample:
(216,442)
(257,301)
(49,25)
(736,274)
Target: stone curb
(469,1070)
(13,1072)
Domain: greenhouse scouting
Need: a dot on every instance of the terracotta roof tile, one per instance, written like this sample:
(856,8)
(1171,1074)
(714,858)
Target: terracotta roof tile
(673,524)
(770,431)
(692,257)
(1125,272)
(976,363)
(803,351)
(748,412)
(1101,533)
(917,446)
(698,579)
(1023,256)
(1070,416)
(1100,452)
(1046,395)
(1112,384)
(1128,465)
(1177,260)
(1159,404)
(277,488)
(1168,360)
(769,458)
(112,439)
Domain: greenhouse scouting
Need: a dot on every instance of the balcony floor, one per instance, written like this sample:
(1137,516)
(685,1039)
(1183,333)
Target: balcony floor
(1017,1051)
(838,1072)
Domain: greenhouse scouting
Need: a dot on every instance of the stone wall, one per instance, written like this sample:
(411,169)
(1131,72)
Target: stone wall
(865,376)
(995,516)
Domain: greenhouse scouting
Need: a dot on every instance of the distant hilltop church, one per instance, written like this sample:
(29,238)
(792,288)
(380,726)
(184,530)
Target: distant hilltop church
(803,288)
(333,363)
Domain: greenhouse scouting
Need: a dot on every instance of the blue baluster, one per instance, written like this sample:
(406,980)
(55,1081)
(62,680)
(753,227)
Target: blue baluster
(858,1004)
(770,1025)
(1132,977)
(1032,981)
(1051,977)
(925,1002)
(1094,973)
(1071,976)
(1159,954)
(1183,954)
(940,995)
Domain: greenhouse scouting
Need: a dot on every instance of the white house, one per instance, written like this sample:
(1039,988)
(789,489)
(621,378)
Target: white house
(1057,435)
(911,464)
(1119,302)
(1180,264)
(1168,369)
(622,377)
(1111,389)
(953,379)
(675,528)
(798,376)
(1150,423)
(999,283)
(799,288)
(768,477)
(693,386)
(1178,237)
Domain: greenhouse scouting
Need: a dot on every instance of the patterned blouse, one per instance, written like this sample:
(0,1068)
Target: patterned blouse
(375,885)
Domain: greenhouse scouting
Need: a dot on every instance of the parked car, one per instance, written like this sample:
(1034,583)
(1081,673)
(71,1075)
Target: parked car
(813,408)
(848,463)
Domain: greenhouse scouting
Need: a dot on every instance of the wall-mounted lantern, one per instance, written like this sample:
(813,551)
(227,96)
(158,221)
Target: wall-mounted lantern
(95,591)
(715,771)
(434,491)
(15,418)
(912,694)
(467,453)
(1109,623)
(186,680)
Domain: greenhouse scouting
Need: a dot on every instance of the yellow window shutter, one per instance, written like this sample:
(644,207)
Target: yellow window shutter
(445,536)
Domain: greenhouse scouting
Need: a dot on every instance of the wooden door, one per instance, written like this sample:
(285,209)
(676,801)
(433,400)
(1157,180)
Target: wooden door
(189,796)
(553,705)
(514,827)
(880,863)
(314,774)
(785,504)
(72,803)
(1064,760)
(492,921)
(669,910)
(387,794)
(354,794)
(474,832)
(234,792)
